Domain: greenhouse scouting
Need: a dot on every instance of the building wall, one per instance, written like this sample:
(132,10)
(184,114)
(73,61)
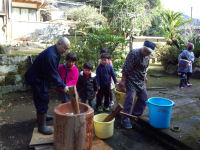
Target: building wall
(25,12)
(23,29)
(3,19)
(57,14)
(2,32)
(38,31)
(22,20)
(138,41)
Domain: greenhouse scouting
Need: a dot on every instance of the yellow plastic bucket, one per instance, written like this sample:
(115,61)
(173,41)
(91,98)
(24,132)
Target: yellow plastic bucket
(120,98)
(103,130)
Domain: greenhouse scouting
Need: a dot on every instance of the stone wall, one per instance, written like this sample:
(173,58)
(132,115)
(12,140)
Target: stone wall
(12,69)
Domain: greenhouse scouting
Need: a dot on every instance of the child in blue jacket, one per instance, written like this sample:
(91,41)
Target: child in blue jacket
(104,73)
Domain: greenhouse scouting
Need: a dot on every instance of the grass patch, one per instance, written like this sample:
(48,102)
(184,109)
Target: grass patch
(168,81)
(179,118)
(27,52)
(158,78)
(156,68)
(195,98)
(197,130)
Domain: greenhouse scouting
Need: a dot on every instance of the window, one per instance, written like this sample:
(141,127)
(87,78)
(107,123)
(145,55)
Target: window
(16,14)
(2,6)
(24,14)
(32,15)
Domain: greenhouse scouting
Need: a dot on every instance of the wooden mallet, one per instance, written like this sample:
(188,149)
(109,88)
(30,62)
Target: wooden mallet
(128,115)
(118,111)
(74,99)
(114,113)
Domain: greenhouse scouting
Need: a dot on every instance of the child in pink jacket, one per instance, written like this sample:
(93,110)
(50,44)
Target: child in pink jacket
(69,74)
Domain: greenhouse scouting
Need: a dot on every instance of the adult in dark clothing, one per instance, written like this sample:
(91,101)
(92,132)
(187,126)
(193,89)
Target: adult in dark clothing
(104,73)
(134,78)
(87,84)
(40,74)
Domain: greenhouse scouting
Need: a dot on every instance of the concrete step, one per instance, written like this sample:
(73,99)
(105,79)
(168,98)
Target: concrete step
(186,116)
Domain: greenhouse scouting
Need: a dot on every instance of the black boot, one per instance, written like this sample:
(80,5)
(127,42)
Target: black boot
(49,117)
(42,128)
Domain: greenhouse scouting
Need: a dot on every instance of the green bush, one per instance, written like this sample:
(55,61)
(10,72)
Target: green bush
(167,54)
(197,62)
(86,17)
(88,47)
(157,51)
(195,39)
(4,49)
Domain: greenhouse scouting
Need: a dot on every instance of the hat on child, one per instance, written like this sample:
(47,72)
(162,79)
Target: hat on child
(190,46)
(150,46)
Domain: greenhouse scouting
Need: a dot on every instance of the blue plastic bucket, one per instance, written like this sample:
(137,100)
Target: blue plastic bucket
(160,111)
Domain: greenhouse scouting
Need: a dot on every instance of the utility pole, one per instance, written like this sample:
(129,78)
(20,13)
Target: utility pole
(100,9)
(191,12)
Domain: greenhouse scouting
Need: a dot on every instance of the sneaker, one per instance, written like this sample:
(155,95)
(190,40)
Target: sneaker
(126,124)
(181,87)
(189,84)
(106,109)
(100,109)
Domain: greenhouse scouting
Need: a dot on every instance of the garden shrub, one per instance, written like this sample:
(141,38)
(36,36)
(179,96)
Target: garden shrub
(167,54)
(87,17)
(196,62)
(4,49)
(195,39)
(157,51)
(88,47)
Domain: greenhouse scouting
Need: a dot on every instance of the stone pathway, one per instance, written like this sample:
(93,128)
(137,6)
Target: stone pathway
(185,115)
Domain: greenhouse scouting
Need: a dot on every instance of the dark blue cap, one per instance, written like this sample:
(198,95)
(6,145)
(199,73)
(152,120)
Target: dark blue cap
(150,45)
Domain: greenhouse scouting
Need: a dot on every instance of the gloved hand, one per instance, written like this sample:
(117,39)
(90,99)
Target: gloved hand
(66,89)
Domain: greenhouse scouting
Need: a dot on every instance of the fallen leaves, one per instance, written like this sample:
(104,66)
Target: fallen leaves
(9,105)
(2,122)
(2,111)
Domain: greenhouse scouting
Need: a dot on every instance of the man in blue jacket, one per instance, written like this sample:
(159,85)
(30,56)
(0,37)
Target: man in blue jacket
(40,74)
